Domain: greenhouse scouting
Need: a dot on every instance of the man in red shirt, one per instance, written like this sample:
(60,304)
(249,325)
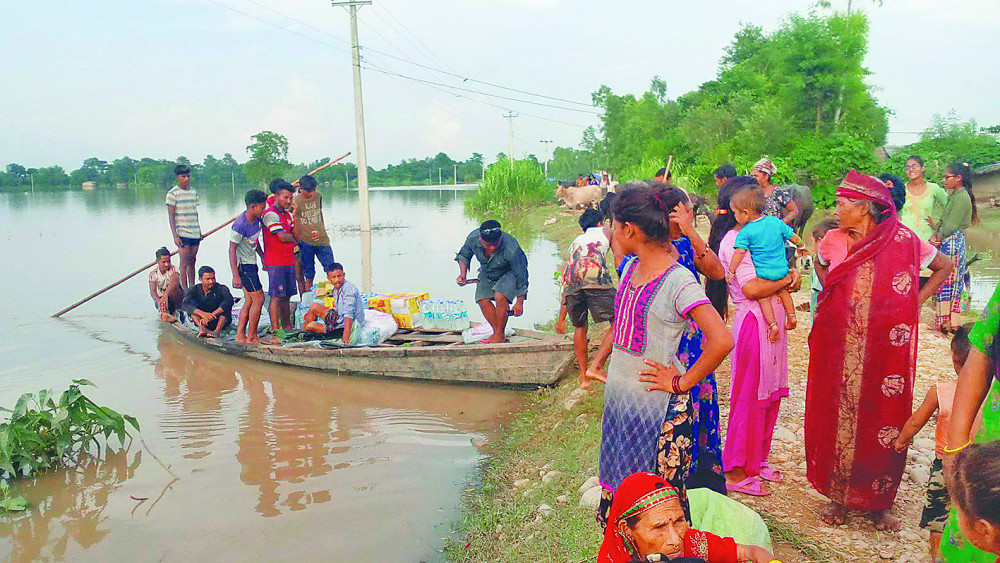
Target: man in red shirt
(279,256)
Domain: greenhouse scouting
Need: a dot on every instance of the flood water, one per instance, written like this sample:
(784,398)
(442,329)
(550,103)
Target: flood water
(245,460)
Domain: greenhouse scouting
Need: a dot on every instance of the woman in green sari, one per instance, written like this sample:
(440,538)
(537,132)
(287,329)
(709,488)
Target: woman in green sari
(978,385)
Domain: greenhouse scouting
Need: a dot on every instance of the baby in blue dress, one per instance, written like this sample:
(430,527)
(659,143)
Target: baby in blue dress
(764,237)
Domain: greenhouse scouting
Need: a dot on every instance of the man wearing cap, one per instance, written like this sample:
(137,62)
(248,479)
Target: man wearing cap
(503,274)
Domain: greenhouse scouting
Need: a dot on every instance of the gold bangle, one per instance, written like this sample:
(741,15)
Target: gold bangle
(958,449)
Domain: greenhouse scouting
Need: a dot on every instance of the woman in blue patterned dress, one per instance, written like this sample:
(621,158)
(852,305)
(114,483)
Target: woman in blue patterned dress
(706,454)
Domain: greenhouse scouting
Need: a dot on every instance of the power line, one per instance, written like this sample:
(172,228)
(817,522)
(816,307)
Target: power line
(482,93)
(383,53)
(432,56)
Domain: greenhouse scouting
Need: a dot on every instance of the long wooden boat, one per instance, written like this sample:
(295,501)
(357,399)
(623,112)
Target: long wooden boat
(529,358)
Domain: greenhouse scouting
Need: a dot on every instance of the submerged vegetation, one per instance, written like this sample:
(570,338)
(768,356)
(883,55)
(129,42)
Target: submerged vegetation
(506,188)
(44,432)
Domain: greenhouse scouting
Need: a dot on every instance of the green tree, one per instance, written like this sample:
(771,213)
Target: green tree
(123,169)
(268,157)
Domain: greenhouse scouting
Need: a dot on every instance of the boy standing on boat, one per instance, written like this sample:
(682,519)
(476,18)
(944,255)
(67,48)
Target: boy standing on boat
(209,304)
(503,275)
(182,212)
(310,230)
(279,256)
(244,246)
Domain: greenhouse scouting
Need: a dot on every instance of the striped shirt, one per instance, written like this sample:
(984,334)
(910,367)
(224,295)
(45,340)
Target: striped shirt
(246,235)
(185,203)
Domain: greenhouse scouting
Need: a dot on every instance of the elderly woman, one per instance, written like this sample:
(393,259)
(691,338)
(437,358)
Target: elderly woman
(863,349)
(760,367)
(978,387)
(647,519)
(777,203)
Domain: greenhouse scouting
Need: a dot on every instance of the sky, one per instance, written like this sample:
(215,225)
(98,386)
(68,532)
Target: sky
(168,78)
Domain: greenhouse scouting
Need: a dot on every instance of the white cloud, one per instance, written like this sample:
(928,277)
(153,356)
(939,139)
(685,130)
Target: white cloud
(438,128)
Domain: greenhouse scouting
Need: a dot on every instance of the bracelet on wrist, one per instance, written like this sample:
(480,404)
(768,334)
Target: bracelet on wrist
(958,449)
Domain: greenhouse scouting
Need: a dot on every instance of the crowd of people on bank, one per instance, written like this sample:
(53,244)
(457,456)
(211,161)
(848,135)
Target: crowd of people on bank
(892,246)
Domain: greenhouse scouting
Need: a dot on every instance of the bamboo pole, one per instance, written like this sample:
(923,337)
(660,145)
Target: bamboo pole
(153,263)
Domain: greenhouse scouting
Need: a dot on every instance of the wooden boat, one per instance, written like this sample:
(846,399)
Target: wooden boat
(529,358)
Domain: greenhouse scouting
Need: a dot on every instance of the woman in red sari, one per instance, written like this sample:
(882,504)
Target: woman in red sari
(646,518)
(862,351)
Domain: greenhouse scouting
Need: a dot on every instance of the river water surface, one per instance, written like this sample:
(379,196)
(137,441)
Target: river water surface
(245,460)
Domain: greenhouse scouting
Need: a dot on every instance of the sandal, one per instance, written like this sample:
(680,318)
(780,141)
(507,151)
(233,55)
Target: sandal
(749,486)
(771,474)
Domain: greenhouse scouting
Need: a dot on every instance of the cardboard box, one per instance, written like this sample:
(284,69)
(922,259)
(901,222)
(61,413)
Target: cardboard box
(408,321)
(407,303)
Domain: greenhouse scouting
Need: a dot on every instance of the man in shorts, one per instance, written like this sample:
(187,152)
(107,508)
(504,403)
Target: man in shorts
(310,230)
(587,285)
(503,275)
(279,257)
(182,212)
(165,286)
(244,246)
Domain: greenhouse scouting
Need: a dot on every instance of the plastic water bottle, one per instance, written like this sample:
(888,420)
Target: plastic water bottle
(425,310)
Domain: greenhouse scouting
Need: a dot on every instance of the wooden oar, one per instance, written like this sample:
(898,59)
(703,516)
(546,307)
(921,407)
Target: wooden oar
(327,165)
(153,263)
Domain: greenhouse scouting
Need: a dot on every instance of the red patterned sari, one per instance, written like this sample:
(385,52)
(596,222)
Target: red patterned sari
(862,363)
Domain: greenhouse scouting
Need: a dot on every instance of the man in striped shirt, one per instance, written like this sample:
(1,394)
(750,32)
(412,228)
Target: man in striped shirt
(182,211)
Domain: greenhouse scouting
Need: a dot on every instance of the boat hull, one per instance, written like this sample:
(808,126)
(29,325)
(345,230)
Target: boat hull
(536,359)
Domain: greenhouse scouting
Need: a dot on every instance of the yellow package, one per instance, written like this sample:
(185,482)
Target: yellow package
(408,321)
(382,302)
(323,289)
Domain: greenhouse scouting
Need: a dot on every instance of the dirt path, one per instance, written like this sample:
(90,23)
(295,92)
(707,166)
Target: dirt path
(797,504)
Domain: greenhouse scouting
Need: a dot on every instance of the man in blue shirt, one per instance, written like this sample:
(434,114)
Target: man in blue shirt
(503,275)
(348,311)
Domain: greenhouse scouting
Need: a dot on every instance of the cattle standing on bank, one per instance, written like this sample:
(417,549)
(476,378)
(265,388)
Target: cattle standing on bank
(579,198)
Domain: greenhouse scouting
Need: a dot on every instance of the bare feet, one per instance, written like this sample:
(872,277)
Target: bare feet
(773,333)
(495,339)
(167,318)
(834,514)
(885,521)
(584,380)
(791,322)
(202,333)
(241,338)
(254,340)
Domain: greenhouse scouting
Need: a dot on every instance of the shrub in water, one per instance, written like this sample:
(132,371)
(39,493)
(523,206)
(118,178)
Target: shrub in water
(506,188)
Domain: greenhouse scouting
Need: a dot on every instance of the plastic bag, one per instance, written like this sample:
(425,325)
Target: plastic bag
(378,327)
(727,518)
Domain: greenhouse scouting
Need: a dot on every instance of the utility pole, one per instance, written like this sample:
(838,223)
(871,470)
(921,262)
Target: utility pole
(510,121)
(546,143)
(359,130)
(454,181)
(32,176)
(232,176)
(439,176)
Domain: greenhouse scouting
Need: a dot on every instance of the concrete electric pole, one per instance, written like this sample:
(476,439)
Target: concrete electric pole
(359,130)
(546,143)
(510,120)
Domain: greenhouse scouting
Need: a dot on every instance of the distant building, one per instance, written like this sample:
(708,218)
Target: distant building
(986,181)
(89,186)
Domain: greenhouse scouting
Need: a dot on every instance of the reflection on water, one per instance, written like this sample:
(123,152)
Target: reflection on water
(244,458)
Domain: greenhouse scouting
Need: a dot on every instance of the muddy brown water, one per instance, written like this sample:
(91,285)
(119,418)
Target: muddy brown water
(245,460)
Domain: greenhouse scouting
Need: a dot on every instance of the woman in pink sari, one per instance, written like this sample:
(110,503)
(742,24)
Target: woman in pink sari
(759,377)
(862,351)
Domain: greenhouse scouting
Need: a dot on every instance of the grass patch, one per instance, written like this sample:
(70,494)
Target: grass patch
(507,189)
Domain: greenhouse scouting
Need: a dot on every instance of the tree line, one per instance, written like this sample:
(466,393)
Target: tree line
(268,159)
(798,95)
